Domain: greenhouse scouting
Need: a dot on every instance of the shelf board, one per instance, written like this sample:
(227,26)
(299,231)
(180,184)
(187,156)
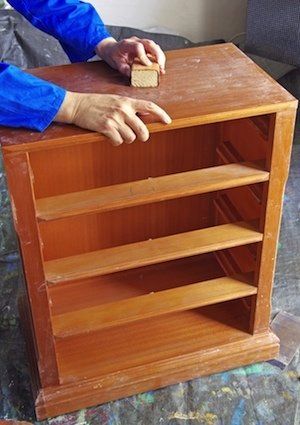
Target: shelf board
(148,252)
(146,341)
(149,190)
(153,304)
(86,293)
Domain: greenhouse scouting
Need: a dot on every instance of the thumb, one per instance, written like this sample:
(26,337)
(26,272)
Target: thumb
(124,68)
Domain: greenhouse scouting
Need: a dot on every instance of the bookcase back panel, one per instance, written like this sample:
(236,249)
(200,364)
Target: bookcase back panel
(93,165)
(114,287)
(85,233)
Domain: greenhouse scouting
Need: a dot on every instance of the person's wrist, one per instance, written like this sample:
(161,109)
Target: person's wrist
(104,46)
(67,110)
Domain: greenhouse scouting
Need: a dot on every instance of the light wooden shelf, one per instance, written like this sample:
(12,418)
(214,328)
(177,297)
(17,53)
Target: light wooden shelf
(150,252)
(150,190)
(164,337)
(154,304)
(91,292)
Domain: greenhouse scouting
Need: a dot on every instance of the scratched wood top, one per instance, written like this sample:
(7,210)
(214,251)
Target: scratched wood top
(202,85)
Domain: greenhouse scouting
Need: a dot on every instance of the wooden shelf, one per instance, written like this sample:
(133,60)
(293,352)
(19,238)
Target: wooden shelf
(146,341)
(86,293)
(154,304)
(150,252)
(150,190)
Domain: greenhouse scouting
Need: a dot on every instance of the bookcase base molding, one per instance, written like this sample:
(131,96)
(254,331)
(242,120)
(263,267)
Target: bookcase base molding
(57,400)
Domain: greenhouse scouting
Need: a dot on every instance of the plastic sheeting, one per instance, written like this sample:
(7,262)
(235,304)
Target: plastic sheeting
(27,47)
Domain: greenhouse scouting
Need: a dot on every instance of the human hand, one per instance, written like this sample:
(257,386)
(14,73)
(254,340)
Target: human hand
(112,115)
(120,55)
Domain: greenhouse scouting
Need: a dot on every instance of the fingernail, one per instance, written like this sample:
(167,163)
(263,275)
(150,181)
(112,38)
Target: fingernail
(168,120)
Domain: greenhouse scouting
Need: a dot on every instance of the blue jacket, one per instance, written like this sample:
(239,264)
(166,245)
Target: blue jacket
(28,101)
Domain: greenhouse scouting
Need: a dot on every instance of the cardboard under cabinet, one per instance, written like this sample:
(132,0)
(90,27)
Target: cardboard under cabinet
(151,263)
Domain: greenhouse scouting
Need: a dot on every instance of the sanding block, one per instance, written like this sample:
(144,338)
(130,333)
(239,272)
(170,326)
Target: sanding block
(145,76)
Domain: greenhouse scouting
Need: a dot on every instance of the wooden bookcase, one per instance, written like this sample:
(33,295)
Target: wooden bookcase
(151,263)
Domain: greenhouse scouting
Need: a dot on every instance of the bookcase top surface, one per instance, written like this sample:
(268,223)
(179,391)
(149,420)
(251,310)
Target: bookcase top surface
(202,85)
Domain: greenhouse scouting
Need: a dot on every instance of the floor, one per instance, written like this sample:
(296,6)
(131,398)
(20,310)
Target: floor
(259,394)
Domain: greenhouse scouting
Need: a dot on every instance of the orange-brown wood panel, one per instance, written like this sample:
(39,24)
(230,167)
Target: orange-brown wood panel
(87,233)
(199,294)
(152,251)
(147,341)
(20,184)
(80,294)
(278,160)
(245,138)
(202,85)
(149,190)
(95,165)
(238,352)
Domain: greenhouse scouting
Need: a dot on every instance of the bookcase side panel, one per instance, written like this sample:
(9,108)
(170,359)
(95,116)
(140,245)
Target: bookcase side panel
(277,163)
(20,186)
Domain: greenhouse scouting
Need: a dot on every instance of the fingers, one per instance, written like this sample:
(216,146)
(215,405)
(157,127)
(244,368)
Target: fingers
(128,136)
(124,68)
(113,135)
(139,128)
(116,116)
(135,49)
(154,49)
(145,107)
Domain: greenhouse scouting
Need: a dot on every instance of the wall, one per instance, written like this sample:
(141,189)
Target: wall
(198,20)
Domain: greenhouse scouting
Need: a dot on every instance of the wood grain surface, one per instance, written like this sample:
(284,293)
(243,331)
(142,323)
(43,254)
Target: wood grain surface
(207,84)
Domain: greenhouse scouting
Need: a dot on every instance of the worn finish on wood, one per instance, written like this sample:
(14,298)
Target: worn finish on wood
(203,85)
(20,184)
(53,401)
(132,283)
(151,190)
(278,160)
(144,242)
(154,304)
(151,252)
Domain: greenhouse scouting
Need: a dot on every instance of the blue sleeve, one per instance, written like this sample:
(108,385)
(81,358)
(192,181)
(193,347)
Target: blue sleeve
(27,101)
(75,24)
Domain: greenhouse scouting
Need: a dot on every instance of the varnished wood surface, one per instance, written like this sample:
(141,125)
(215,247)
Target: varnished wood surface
(150,252)
(100,290)
(151,305)
(103,263)
(205,84)
(150,190)
(93,165)
(148,341)
(278,161)
(21,194)
(242,351)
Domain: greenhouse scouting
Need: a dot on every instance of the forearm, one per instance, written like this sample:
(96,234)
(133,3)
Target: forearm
(27,101)
(75,24)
